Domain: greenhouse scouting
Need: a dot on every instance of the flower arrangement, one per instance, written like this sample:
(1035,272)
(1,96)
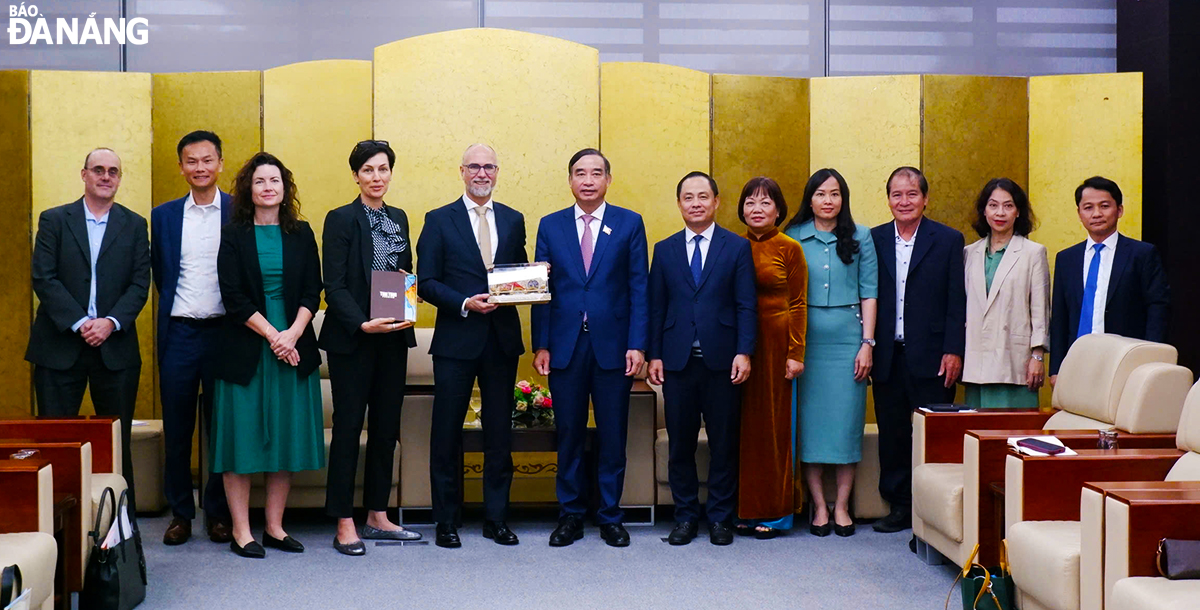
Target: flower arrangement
(532,406)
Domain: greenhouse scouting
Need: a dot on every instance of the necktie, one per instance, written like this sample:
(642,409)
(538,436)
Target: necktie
(697,264)
(485,237)
(1089,293)
(585,244)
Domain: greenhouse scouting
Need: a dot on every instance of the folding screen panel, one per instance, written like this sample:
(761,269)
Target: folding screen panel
(16,190)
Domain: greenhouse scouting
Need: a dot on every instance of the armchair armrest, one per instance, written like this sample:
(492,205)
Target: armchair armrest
(104,433)
(938,437)
(1135,520)
(29,496)
(1048,488)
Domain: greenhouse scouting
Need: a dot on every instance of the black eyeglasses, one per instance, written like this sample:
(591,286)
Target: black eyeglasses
(488,169)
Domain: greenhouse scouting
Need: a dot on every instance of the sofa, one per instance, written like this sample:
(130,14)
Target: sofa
(26,527)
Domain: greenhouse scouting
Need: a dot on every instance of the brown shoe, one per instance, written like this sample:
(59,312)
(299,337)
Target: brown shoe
(219,531)
(178,532)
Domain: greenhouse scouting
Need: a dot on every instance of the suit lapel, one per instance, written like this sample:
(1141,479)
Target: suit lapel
(116,223)
(226,209)
(887,256)
(681,248)
(975,272)
(250,253)
(1011,255)
(566,224)
(714,251)
(924,241)
(176,234)
(366,242)
(77,225)
(459,218)
(1074,271)
(1120,262)
(502,233)
(612,222)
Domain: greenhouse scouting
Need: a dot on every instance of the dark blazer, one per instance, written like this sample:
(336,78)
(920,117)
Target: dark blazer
(450,270)
(612,292)
(242,294)
(721,311)
(166,227)
(935,306)
(1138,299)
(62,279)
(347,257)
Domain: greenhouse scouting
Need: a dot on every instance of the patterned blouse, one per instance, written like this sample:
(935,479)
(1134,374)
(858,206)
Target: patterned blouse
(388,239)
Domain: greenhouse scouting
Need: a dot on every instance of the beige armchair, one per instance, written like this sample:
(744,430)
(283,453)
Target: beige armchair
(26,527)
(1056,523)
(952,502)
(1132,528)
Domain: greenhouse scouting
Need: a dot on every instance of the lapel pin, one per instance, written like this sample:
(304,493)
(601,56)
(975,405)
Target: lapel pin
(607,230)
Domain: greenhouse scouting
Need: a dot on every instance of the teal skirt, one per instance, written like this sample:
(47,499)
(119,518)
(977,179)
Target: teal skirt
(1000,396)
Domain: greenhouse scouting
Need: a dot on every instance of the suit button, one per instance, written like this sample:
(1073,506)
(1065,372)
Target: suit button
(697,301)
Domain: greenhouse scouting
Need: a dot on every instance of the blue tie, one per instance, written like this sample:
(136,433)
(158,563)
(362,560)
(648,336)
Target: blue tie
(1089,293)
(696,264)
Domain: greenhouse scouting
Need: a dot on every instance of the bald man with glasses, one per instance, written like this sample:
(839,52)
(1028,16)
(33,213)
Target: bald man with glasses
(472,339)
(91,274)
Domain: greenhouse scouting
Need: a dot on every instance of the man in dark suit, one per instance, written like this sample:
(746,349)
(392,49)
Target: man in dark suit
(183,258)
(702,326)
(91,274)
(921,331)
(591,339)
(1107,283)
(472,339)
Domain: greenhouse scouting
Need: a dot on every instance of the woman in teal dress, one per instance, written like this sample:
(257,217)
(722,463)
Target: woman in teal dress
(267,413)
(831,396)
(1008,302)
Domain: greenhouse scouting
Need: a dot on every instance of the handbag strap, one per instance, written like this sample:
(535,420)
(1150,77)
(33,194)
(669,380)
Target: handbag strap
(1160,556)
(10,585)
(962,574)
(1004,558)
(110,495)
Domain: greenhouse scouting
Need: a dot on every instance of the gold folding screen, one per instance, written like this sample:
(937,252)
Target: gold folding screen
(16,191)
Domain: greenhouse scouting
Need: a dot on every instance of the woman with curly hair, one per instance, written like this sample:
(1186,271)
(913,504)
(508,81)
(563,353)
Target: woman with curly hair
(267,398)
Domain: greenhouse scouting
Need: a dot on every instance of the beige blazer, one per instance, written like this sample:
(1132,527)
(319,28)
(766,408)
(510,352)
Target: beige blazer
(1005,324)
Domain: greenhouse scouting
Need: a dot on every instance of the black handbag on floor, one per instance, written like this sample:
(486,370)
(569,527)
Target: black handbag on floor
(115,578)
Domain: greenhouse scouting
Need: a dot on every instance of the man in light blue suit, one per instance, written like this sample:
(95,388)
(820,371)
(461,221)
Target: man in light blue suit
(183,259)
(591,339)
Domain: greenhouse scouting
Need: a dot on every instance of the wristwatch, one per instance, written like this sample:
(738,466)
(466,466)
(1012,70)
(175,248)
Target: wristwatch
(1038,357)
(870,342)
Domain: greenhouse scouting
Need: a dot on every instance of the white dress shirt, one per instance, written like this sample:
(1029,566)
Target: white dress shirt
(597,222)
(690,236)
(904,250)
(198,293)
(491,220)
(705,242)
(1107,253)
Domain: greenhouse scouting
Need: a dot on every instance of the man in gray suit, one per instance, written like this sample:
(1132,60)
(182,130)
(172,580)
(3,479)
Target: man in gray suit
(91,274)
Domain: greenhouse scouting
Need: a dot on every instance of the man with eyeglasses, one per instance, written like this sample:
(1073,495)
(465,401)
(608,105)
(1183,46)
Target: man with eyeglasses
(472,339)
(91,274)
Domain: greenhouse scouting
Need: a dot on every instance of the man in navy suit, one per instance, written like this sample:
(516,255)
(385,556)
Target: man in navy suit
(702,326)
(472,339)
(920,329)
(183,259)
(1107,283)
(591,339)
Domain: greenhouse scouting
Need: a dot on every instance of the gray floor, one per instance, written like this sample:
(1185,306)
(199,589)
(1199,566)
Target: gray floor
(868,570)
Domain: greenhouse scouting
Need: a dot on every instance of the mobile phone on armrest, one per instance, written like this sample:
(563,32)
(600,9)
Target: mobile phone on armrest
(946,408)
(1042,446)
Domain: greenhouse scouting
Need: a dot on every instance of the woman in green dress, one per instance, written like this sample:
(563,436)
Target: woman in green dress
(1008,302)
(267,399)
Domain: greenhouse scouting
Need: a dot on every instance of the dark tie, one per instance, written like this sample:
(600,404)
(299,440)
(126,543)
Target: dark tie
(697,264)
(1089,293)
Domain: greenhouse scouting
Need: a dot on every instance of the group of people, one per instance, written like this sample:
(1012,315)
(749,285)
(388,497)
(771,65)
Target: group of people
(770,338)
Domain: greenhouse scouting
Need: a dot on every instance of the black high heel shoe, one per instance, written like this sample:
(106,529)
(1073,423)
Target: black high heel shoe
(819,531)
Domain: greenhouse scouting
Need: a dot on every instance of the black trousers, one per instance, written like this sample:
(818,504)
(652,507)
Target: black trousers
(688,395)
(372,375)
(184,367)
(453,380)
(59,393)
(895,401)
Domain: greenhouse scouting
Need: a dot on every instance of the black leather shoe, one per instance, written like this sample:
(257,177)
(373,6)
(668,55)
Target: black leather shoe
(353,549)
(820,531)
(570,529)
(614,534)
(447,536)
(683,533)
(287,545)
(499,532)
(898,520)
(845,531)
(720,533)
(252,549)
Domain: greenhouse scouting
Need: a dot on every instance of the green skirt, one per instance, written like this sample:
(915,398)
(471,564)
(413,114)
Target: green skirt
(1000,396)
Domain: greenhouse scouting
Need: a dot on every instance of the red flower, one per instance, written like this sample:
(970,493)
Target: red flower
(527,390)
(547,403)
